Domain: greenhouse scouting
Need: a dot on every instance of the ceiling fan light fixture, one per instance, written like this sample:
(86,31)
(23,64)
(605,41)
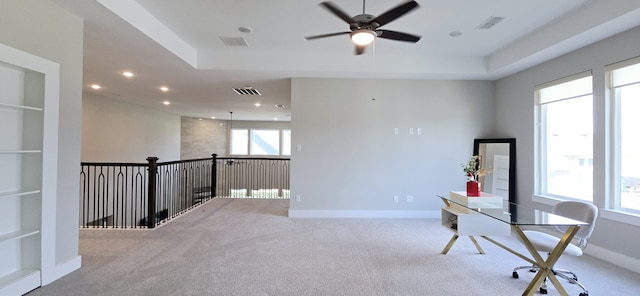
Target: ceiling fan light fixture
(363,36)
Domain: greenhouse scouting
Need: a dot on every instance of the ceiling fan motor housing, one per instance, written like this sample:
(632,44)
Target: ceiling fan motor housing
(363,21)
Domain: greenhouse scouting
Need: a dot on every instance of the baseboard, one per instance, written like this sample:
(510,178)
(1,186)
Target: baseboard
(614,258)
(363,214)
(62,270)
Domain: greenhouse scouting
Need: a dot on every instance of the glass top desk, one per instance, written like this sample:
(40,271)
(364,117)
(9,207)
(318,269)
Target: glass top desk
(514,216)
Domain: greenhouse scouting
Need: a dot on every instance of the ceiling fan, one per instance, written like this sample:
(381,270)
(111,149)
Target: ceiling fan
(364,28)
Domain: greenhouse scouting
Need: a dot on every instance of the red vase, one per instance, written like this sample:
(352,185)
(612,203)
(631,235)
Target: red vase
(473,188)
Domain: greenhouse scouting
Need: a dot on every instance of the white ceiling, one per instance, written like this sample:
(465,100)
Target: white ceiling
(178,44)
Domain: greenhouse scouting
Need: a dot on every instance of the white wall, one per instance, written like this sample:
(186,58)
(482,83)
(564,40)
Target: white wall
(352,163)
(115,131)
(515,117)
(44,29)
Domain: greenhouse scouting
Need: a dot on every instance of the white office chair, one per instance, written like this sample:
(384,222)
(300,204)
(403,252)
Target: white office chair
(543,242)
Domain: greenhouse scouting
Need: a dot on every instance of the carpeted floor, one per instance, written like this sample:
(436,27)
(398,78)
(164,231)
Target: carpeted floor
(251,247)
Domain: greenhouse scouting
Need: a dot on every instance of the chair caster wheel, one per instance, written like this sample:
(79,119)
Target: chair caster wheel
(543,291)
(584,294)
(515,275)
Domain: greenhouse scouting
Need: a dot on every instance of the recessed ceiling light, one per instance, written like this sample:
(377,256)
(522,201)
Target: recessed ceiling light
(257,104)
(275,118)
(213,117)
(166,102)
(127,74)
(96,86)
(164,88)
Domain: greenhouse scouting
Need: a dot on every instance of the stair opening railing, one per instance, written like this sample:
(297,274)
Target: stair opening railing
(120,195)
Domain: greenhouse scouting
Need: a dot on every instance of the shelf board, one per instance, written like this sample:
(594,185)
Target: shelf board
(19,151)
(18,193)
(5,105)
(20,282)
(17,235)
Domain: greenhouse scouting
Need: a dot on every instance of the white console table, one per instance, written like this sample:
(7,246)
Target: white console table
(458,218)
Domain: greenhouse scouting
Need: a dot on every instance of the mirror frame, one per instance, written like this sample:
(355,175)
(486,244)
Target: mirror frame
(512,160)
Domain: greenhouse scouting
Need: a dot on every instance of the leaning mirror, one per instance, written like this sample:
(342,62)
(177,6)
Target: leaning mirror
(498,159)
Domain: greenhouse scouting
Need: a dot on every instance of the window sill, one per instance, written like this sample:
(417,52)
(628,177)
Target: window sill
(621,216)
(615,215)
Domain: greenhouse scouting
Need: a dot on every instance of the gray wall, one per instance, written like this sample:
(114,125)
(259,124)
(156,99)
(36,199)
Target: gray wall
(515,117)
(44,29)
(199,138)
(115,131)
(352,163)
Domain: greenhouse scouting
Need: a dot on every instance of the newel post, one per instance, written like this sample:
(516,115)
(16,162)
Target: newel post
(214,172)
(151,192)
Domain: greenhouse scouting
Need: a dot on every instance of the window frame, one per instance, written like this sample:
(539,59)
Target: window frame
(541,194)
(250,132)
(613,203)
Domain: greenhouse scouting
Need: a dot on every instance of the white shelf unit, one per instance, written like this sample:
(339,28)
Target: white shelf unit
(465,222)
(472,224)
(29,98)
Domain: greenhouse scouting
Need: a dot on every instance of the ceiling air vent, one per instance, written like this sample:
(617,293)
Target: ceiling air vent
(234,41)
(490,22)
(247,91)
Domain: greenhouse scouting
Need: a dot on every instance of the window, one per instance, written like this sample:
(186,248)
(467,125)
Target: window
(286,142)
(565,137)
(265,142)
(239,140)
(624,87)
(262,142)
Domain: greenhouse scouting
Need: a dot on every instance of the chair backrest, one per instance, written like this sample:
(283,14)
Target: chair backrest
(581,211)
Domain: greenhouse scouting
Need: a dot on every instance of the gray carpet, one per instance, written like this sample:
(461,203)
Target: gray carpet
(251,247)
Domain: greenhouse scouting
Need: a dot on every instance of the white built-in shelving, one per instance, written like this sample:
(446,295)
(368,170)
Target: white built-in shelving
(29,94)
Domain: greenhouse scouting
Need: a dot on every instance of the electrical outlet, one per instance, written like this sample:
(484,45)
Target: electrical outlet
(409,198)
(395,199)
(297,198)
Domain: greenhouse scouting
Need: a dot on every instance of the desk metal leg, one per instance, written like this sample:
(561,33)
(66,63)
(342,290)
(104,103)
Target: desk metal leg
(546,266)
(475,242)
(450,244)
(453,240)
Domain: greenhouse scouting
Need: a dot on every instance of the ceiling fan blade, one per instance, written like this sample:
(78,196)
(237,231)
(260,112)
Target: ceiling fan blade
(360,49)
(337,12)
(399,36)
(326,35)
(395,13)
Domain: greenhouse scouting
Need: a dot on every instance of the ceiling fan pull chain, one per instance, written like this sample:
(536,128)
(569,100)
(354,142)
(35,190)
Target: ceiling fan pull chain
(373,53)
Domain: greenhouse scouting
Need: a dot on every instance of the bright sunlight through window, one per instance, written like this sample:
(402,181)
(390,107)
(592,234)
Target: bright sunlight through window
(625,91)
(566,138)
